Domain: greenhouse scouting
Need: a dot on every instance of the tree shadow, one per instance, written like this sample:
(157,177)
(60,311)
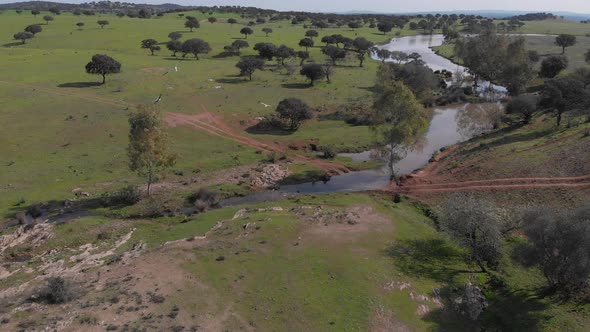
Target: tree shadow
(507,311)
(509,139)
(13,44)
(257,129)
(224,55)
(433,258)
(231,80)
(307,176)
(79,84)
(296,85)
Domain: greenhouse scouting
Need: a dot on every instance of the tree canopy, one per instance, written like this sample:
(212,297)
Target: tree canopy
(249,64)
(294,111)
(195,46)
(102,64)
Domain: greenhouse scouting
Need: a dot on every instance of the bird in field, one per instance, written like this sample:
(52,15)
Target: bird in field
(158,99)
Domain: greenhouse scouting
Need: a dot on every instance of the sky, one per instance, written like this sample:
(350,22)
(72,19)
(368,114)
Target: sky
(389,6)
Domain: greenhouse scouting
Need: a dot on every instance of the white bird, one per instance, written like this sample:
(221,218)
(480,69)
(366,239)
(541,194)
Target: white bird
(158,99)
(175,67)
(265,105)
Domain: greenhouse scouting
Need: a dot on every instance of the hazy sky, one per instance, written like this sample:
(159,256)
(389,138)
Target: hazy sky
(579,6)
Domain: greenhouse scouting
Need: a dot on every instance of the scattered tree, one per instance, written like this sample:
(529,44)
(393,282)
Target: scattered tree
(313,71)
(175,35)
(192,24)
(564,94)
(266,50)
(311,34)
(267,31)
(23,36)
(148,144)
(232,21)
(362,47)
(195,46)
(382,54)
(283,53)
(212,20)
(385,27)
(354,25)
(80,25)
(561,244)
(174,46)
(54,11)
(552,66)
(35,12)
(565,41)
(302,55)
(249,64)
(102,23)
(47,19)
(102,64)
(307,43)
(34,29)
(246,31)
(150,44)
(474,224)
(524,105)
(294,111)
(334,53)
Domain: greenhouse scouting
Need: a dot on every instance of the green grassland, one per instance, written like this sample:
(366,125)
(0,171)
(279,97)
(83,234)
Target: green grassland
(60,131)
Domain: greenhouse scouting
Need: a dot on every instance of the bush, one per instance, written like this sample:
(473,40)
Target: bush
(57,291)
(204,199)
(329,152)
(126,196)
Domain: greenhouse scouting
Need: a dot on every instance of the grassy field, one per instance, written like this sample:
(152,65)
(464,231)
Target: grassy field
(63,131)
(303,266)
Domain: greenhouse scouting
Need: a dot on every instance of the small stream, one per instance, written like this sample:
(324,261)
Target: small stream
(449,125)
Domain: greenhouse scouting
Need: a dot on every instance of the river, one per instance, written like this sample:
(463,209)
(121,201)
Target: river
(449,125)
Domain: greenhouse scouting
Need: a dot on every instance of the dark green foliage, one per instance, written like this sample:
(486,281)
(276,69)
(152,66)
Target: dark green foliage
(102,23)
(311,34)
(561,245)
(552,66)
(474,225)
(306,42)
(385,26)
(283,53)
(267,31)
(294,111)
(534,56)
(150,44)
(525,106)
(195,46)
(102,64)
(313,71)
(334,53)
(23,36)
(192,24)
(174,46)
(47,18)
(416,76)
(266,50)
(302,55)
(212,20)
(34,29)
(56,291)
(564,94)
(328,152)
(126,196)
(246,31)
(232,21)
(565,41)
(249,64)
(175,35)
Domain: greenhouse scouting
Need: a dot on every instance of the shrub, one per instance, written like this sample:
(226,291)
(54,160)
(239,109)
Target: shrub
(204,199)
(126,196)
(329,152)
(57,291)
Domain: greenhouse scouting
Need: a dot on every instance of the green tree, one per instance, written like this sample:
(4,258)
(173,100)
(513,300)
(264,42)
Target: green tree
(246,32)
(564,41)
(175,35)
(382,54)
(249,64)
(283,53)
(150,44)
(34,29)
(302,55)
(212,20)
(174,46)
(267,31)
(399,122)
(232,21)
(102,23)
(564,94)
(47,18)
(313,71)
(80,25)
(561,246)
(35,12)
(385,27)
(148,149)
(552,66)
(23,36)
(475,225)
(192,24)
(266,50)
(311,34)
(524,105)
(334,53)
(307,43)
(294,111)
(362,47)
(102,64)
(195,46)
